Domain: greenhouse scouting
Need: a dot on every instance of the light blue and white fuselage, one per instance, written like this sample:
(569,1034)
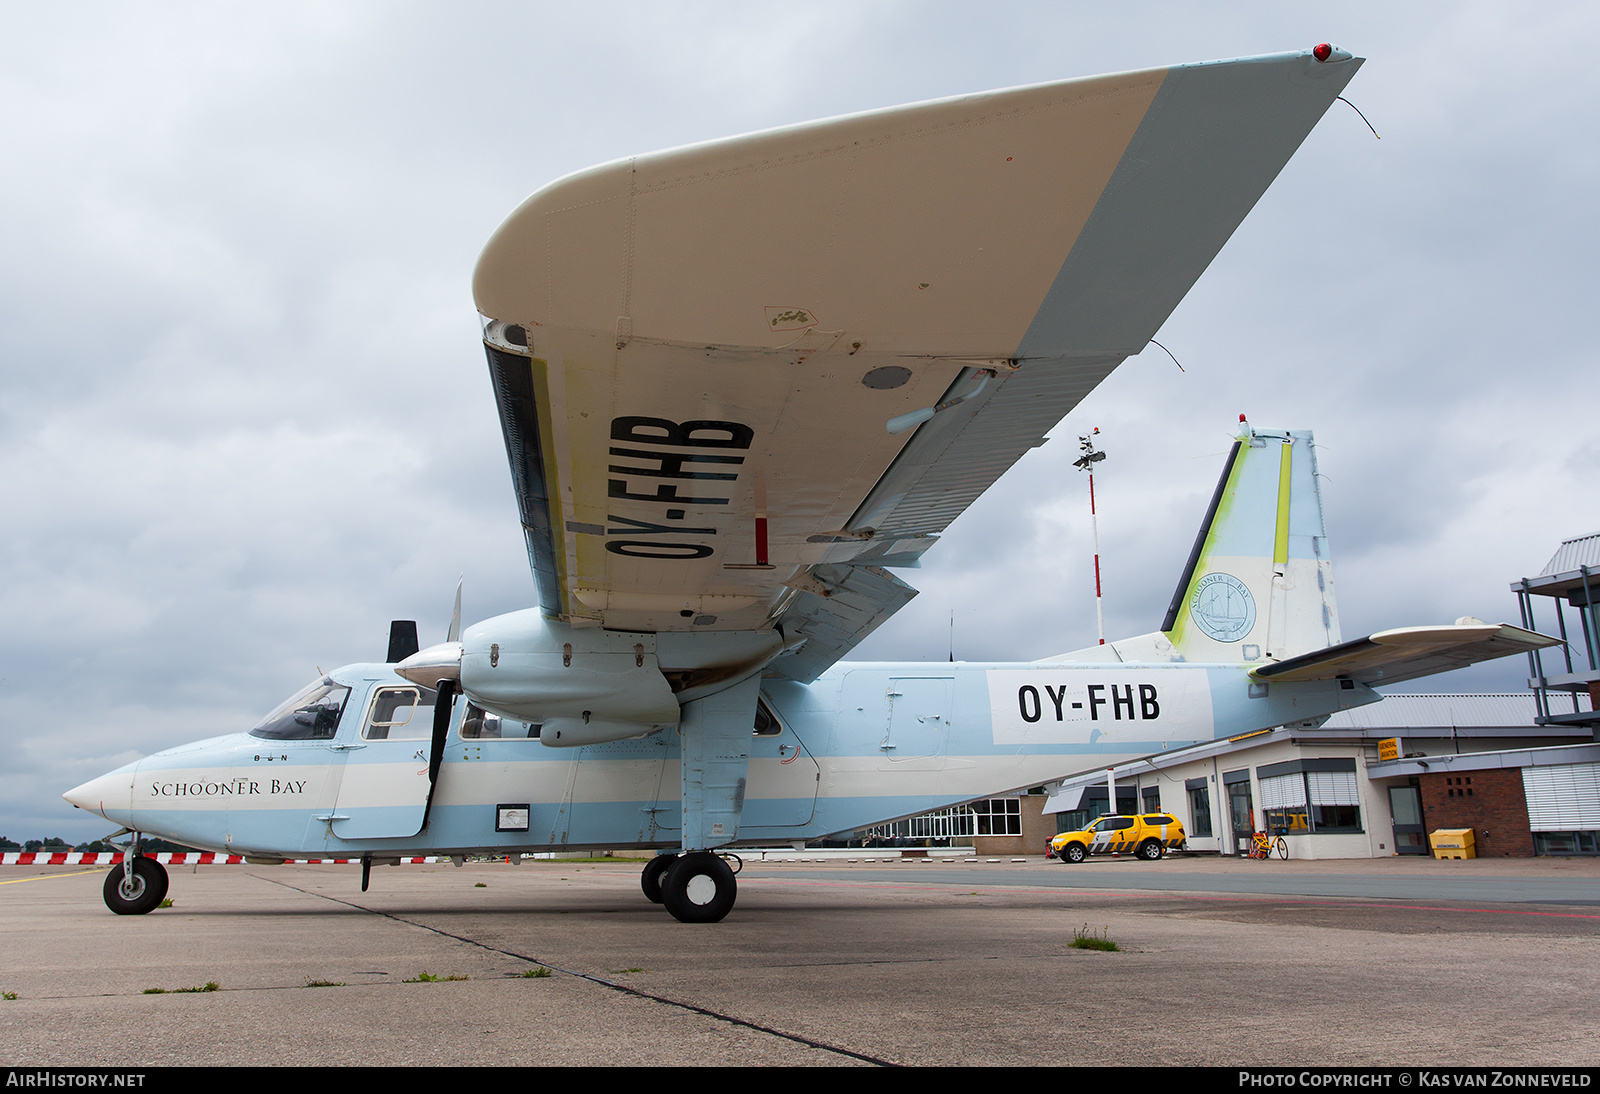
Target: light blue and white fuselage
(864,744)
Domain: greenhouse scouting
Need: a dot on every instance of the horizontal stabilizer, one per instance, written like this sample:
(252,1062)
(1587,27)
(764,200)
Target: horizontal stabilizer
(1406,653)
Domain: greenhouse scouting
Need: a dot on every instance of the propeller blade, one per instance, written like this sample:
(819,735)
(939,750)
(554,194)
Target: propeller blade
(442,708)
(455,616)
(443,704)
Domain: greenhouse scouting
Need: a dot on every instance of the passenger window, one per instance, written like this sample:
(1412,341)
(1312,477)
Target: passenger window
(767,724)
(480,725)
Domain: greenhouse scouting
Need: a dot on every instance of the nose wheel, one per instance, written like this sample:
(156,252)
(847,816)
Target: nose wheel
(136,888)
(697,887)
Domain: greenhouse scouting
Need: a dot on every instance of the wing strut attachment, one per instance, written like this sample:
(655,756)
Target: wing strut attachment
(698,887)
(716,763)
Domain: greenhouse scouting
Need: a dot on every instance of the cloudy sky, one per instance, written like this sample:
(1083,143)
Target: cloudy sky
(245,419)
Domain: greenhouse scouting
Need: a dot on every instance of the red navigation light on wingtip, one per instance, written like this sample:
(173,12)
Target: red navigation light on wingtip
(1322,52)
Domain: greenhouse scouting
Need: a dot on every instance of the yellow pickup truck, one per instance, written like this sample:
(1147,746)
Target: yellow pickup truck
(1147,835)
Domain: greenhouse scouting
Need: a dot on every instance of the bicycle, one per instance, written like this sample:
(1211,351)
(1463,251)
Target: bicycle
(1266,844)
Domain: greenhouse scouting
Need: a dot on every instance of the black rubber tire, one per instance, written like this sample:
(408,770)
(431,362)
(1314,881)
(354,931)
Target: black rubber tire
(1150,850)
(1074,852)
(650,880)
(698,888)
(1281,847)
(147,890)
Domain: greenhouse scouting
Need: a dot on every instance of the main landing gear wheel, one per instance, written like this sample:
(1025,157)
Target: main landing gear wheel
(698,888)
(650,880)
(139,893)
(1150,850)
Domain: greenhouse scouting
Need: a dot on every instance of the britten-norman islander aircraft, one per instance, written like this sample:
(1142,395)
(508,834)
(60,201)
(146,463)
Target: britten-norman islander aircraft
(739,383)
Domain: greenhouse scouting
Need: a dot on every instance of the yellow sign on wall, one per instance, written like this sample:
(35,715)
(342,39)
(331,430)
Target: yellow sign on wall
(1389,748)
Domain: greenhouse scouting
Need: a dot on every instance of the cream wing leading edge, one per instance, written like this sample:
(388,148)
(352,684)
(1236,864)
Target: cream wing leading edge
(697,353)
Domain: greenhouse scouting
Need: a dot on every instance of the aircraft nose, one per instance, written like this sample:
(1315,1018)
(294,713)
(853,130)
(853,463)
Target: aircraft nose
(428,667)
(110,795)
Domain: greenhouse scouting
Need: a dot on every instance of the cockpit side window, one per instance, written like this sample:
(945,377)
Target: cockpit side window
(311,714)
(400,714)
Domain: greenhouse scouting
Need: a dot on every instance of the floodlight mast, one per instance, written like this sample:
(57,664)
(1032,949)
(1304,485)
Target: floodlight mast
(1086,462)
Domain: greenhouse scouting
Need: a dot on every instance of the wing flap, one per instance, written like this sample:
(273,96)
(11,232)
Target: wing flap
(1406,653)
(837,608)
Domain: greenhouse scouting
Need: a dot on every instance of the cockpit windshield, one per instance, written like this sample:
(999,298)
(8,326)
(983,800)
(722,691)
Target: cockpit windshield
(312,714)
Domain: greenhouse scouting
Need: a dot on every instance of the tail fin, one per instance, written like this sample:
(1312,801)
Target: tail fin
(1259,583)
(1258,586)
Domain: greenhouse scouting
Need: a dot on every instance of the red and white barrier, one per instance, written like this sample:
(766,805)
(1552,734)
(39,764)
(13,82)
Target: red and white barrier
(171,858)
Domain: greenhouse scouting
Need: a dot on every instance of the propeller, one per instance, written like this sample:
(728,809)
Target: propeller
(448,683)
(443,706)
(454,633)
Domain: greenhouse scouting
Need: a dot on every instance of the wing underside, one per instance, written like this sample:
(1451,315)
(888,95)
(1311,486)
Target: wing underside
(696,353)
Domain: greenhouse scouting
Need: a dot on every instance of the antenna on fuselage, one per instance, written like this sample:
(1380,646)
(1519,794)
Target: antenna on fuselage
(1086,462)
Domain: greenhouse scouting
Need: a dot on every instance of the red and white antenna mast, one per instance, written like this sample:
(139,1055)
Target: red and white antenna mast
(1086,462)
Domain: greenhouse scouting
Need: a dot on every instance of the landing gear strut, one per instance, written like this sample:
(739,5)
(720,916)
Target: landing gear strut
(137,887)
(698,888)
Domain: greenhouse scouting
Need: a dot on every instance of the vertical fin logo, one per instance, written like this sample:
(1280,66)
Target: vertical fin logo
(1223,607)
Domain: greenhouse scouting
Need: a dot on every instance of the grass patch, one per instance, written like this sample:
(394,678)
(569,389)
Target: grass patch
(480,885)
(166,902)
(1085,939)
(535,973)
(209,985)
(431,978)
(310,983)
(626,970)
(8,995)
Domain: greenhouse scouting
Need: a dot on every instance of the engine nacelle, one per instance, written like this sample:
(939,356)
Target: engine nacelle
(585,684)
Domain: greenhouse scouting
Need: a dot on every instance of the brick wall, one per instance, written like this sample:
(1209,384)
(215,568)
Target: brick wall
(1491,803)
(1036,832)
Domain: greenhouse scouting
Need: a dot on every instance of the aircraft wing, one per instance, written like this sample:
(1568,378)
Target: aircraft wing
(697,353)
(1405,653)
